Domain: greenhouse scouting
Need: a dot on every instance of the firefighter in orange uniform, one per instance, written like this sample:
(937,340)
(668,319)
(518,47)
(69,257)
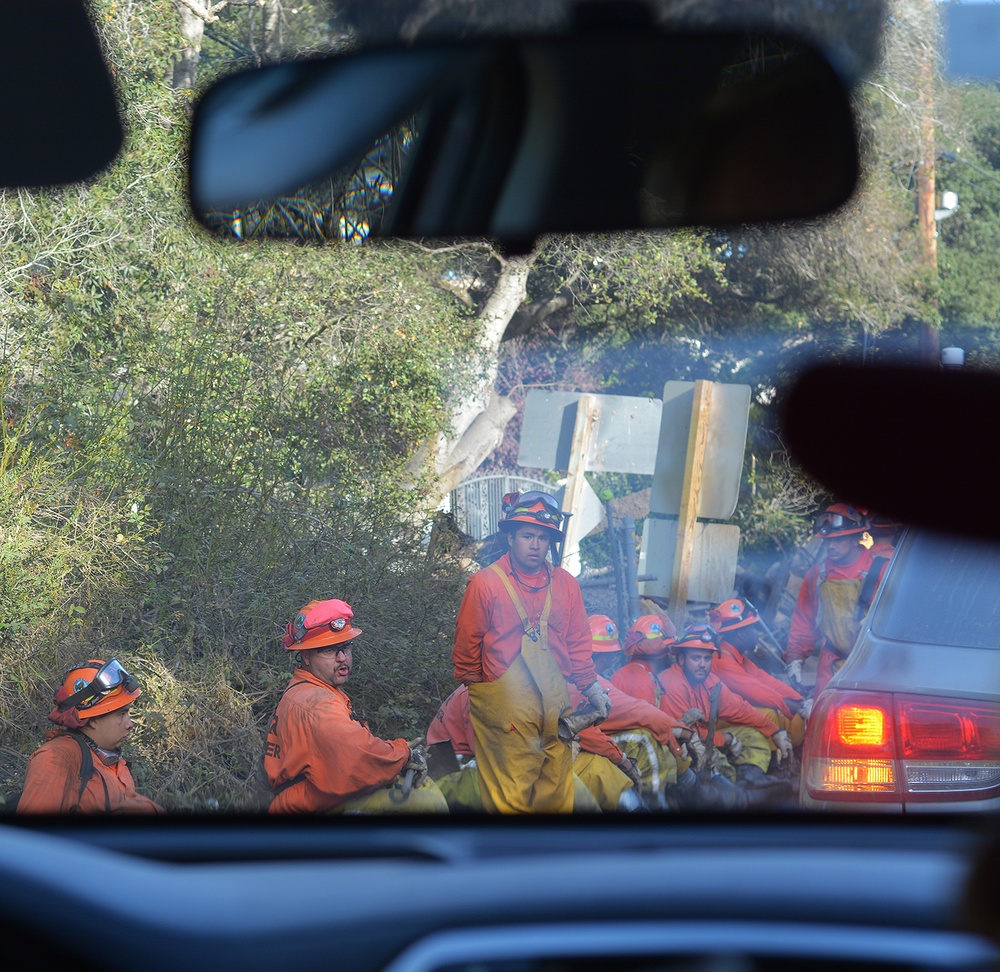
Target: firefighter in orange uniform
(835,595)
(521,632)
(648,653)
(742,733)
(601,767)
(738,625)
(80,767)
(319,757)
(652,739)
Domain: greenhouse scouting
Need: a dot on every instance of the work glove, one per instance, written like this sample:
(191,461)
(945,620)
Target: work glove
(696,750)
(692,716)
(794,671)
(599,699)
(631,769)
(783,744)
(806,710)
(418,764)
(734,747)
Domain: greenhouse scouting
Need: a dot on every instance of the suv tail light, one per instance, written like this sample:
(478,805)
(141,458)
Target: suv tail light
(885,747)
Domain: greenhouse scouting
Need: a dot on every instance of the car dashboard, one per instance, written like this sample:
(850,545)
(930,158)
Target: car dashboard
(746,893)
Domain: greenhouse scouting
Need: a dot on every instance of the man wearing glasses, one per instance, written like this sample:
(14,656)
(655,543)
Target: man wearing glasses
(319,757)
(521,632)
(80,767)
(835,594)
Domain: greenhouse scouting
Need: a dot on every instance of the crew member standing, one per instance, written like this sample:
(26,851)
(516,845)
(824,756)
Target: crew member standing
(319,757)
(835,595)
(521,631)
(80,767)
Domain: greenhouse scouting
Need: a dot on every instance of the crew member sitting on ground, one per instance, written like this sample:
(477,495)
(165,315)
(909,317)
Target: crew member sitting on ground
(742,734)
(647,653)
(319,756)
(80,767)
(739,625)
(652,739)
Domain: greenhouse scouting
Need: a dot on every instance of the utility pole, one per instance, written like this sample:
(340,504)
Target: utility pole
(926,48)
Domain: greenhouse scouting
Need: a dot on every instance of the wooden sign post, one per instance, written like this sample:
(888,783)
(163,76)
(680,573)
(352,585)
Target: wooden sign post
(694,465)
(588,414)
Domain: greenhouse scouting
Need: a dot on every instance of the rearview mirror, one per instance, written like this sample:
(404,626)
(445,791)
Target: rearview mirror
(595,131)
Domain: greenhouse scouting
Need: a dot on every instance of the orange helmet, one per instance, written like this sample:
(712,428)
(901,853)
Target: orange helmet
(603,634)
(734,613)
(535,508)
(702,636)
(95,688)
(840,520)
(318,624)
(649,637)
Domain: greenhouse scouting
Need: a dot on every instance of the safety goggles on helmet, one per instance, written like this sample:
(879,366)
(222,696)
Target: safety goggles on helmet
(110,677)
(524,504)
(835,524)
(698,636)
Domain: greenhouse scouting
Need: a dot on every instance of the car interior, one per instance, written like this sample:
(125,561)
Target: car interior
(480,130)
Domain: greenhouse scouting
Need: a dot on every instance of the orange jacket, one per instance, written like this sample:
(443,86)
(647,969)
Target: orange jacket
(628,713)
(454,724)
(52,783)
(638,680)
(758,687)
(488,629)
(679,695)
(316,741)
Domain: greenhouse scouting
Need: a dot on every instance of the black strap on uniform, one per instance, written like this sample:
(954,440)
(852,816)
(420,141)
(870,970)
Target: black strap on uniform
(86,768)
(867,592)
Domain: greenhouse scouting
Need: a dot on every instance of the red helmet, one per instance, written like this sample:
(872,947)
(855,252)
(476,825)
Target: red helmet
(320,623)
(702,636)
(95,688)
(840,520)
(603,634)
(535,508)
(649,637)
(734,613)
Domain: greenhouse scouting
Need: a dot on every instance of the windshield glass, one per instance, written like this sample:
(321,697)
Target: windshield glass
(447,525)
(916,598)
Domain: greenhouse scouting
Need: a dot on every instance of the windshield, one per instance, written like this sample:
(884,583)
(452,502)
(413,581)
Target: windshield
(511,525)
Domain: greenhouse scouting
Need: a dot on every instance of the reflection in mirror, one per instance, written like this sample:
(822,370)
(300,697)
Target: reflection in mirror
(511,139)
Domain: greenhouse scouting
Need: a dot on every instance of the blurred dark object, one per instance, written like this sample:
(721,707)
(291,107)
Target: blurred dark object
(58,109)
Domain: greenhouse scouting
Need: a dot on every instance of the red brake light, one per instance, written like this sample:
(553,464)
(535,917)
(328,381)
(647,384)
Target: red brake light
(901,748)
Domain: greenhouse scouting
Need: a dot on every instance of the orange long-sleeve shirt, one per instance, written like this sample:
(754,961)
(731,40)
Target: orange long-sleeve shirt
(52,783)
(453,723)
(314,738)
(638,680)
(628,712)
(749,680)
(488,629)
(679,695)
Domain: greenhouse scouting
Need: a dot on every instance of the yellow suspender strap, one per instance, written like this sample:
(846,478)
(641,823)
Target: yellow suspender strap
(543,622)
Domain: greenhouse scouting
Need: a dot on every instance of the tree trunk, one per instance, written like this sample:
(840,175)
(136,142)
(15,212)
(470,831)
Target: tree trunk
(184,71)
(478,419)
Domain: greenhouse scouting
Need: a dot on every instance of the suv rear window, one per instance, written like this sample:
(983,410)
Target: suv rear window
(942,590)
